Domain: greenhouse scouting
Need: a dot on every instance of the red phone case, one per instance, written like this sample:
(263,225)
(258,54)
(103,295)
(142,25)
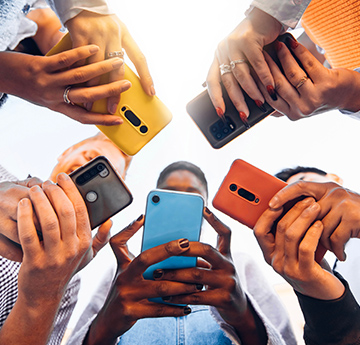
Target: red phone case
(245,193)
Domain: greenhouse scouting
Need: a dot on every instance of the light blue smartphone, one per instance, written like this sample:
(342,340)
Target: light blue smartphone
(171,215)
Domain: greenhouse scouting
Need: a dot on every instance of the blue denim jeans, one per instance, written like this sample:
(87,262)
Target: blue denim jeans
(197,328)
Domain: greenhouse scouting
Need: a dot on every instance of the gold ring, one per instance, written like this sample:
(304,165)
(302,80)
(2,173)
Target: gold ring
(301,82)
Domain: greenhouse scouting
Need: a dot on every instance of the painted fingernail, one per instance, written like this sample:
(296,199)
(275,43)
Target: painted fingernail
(220,113)
(187,310)
(244,119)
(261,105)
(293,43)
(270,89)
(207,211)
(117,62)
(152,90)
(157,274)
(199,286)
(140,218)
(166,298)
(94,49)
(184,243)
(277,45)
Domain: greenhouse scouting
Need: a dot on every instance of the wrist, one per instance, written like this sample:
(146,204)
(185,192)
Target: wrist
(100,334)
(349,88)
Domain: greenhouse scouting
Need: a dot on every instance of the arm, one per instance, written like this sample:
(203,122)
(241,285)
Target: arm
(47,265)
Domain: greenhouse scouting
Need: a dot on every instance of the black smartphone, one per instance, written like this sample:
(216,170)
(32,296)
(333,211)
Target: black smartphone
(218,132)
(102,189)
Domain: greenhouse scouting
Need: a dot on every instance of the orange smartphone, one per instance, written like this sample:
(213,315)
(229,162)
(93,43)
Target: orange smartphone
(245,193)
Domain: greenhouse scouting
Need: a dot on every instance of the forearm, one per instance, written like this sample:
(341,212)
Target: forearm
(29,323)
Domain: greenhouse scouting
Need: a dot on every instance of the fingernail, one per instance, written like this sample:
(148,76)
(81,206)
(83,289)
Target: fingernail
(118,121)
(184,243)
(48,182)
(318,224)
(94,49)
(207,211)
(314,206)
(278,45)
(244,119)
(344,256)
(113,108)
(158,274)
(24,202)
(270,89)
(152,90)
(117,62)
(220,113)
(187,310)
(63,177)
(88,106)
(293,43)
(35,189)
(199,286)
(166,298)
(140,218)
(273,202)
(261,106)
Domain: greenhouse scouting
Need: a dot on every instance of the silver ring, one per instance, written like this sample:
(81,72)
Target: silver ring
(119,54)
(301,82)
(66,96)
(224,69)
(233,63)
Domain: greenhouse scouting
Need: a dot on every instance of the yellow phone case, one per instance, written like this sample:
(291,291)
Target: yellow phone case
(144,116)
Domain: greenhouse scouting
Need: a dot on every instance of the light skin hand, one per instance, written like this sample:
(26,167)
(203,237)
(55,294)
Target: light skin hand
(245,42)
(47,265)
(223,288)
(128,298)
(109,34)
(43,79)
(291,252)
(339,211)
(326,89)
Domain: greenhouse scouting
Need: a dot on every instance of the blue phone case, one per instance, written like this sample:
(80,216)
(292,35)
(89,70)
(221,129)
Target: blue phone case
(169,216)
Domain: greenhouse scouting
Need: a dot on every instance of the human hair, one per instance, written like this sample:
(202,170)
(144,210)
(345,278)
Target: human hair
(285,174)
(183,165)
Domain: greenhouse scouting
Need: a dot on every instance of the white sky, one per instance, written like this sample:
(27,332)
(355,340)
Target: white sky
(179,39)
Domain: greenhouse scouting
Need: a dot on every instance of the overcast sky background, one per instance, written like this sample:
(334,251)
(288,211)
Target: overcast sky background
(179,39)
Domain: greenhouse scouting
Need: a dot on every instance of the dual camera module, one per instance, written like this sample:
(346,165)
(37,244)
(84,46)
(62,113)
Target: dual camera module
(134,120)
(245,194)
(98,169)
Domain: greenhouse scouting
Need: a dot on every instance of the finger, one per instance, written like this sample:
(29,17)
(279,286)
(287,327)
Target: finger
(82,95)
(297,189)
(27,232)
(29,182)
(157,254)
(118,242)
(83,229)
(139,61)
(207,297)
(83,74)
(101,237)
(232,86)
(64,209)
(46,215)
(338,240)
(159,310)
(66,59)
(202,263)
(263,232)
(214,88)
(10,249)
(224,232)
(294,73)
(308,245)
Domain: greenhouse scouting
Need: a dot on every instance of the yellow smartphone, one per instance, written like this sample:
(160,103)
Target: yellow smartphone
(144,116)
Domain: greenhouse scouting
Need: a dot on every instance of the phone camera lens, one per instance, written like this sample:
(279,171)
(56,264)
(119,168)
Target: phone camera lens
(123,108)
(257,200)
(155,199)
(233,187)
(246,194)
(100,167)
(143,129)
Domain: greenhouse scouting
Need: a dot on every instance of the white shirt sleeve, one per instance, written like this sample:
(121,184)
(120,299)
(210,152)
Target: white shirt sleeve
(287,12)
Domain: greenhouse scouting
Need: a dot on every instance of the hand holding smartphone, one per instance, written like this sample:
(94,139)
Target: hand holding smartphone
(245,193)
(102,189)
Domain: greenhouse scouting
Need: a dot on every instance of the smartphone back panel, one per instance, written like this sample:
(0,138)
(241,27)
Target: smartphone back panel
(169,216)
(102,189)
(144,116)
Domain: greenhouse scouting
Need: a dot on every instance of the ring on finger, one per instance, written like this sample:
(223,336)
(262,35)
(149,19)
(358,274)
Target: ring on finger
(301,82)
(119,53)
(234,62)
(224,69)
(66,96)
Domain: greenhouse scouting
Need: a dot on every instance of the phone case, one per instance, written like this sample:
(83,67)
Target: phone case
(218,133)
(245,193)
(171,215)
(102,189)
(144,116)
